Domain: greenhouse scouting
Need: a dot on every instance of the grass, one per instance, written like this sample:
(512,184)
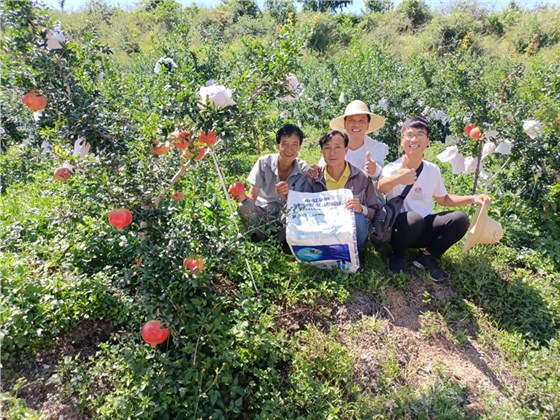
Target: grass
(494,305)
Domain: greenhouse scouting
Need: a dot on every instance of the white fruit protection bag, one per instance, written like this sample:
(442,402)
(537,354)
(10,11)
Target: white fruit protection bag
(321,231)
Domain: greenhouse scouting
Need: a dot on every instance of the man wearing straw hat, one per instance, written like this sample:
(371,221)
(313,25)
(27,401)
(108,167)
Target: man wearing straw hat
(417,226)
(363,151)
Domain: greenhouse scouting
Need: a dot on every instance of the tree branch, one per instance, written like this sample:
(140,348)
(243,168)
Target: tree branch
(174,180)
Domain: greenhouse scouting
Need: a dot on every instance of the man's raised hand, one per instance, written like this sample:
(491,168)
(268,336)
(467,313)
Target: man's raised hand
(406,175)
(370,165)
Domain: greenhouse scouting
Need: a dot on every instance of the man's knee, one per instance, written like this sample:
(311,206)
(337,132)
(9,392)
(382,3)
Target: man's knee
(410,222)
(461,221)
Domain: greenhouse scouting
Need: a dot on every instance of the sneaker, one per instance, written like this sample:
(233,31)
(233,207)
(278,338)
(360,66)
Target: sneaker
(429,263)
(396,263)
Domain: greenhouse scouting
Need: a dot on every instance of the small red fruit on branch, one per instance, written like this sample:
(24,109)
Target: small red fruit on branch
(153,333)
(468,129)
(181,139)
(62,175)
(475,133)
(34,101)
(178,196)
(237,190)
(194,264)
(200,152)
(161,148)
(120,218)
(208,137)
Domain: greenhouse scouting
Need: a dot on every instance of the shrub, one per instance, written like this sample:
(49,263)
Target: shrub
(416,10)
(535,30)
(240,8)
(324,34)
(280,10)
(454,32)
(379,6)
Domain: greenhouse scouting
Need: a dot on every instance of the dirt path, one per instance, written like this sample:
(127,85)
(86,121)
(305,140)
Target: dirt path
(399,335)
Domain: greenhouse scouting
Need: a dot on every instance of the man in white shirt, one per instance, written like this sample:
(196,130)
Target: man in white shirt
(417,226)
(363,151)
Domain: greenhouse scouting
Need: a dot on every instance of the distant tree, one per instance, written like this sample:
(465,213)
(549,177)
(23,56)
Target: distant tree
(240,8)
(324,5)
(512,5)
(416,10)
(280,9)
(150,5)
(379,6)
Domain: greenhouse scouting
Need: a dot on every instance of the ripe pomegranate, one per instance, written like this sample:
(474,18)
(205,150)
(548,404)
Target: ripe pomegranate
(475,133)
(209,138)
(194,264)
(236,189)
(161,148)
(181,139)
(178,196)
(62,174)
(468,129)
(153,333)
(120,218)
(200,152)
(34,101)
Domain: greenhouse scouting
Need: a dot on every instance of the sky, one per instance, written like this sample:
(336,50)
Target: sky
(357,6)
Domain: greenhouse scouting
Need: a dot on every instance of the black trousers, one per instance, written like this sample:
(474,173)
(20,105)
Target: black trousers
(435,232)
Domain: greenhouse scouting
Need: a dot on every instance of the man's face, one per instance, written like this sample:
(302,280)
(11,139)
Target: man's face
(414,141)
(334,152)
(289,147)
(356,125)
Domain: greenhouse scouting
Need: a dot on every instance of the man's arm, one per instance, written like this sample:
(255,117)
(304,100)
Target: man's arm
(254,192)
(452,200)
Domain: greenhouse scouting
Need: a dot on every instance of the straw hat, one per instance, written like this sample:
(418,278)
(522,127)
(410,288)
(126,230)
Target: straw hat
(355,108)
(483,229)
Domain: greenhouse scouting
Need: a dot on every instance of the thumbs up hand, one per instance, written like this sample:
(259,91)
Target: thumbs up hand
(370,165)
(406,175)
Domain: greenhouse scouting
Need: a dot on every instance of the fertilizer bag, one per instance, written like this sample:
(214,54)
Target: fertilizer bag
(320,231)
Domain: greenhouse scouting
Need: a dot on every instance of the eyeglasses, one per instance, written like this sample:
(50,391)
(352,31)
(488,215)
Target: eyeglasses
(419,136)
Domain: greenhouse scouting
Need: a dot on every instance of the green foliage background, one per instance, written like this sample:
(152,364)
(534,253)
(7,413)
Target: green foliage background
(230,355)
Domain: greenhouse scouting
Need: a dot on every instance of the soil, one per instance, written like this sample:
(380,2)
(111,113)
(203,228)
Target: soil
(479,370)
(42,388)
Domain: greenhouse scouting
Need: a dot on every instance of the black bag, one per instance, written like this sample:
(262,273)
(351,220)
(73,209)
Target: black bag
(385,217)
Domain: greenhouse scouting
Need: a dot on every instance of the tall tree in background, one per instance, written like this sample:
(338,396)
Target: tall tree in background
(324,5)
(379,6)
(280,9)
(416,10)
(240,8)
